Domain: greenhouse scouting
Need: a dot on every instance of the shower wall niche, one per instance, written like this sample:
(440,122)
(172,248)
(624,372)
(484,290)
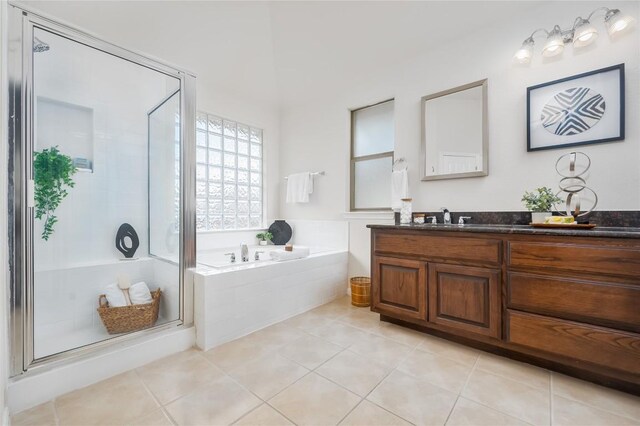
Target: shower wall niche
(104,145)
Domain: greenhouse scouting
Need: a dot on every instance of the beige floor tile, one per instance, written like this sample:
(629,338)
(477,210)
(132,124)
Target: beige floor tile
(268,375)
(240,351)
(469,413)
(314,400)
(220,402)
(264,415)
(369,414)
(176,375)
(508,396)
(155,418)
(340,334)
(571,413)
(308,321)
(277,335)
(41,415)
(309,351)
(380,349)
(620,403)
(414,400)
(400,334)
(95,404)
(355,372)
(453,351)
(437,370)
(521,372)
(362,319)
(331,310)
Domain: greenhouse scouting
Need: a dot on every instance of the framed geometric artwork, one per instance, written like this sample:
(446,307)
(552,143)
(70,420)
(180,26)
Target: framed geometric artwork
(579,110)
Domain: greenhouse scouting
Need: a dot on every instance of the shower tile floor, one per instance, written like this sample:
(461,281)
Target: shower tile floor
(338,365)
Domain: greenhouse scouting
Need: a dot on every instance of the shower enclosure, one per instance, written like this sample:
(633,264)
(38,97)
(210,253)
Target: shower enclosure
(99,137)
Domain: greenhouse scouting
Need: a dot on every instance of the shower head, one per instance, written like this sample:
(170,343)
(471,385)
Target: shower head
(39,45)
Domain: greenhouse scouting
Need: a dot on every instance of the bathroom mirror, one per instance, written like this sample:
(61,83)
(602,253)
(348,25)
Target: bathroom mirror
(455,133)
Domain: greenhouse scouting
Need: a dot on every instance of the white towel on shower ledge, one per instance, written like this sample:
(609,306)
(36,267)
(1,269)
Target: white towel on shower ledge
(139,294)
(297,253)
(299,187)
(115,296)
(399,188)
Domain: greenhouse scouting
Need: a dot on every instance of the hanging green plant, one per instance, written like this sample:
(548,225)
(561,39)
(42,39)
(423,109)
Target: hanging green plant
(52,175)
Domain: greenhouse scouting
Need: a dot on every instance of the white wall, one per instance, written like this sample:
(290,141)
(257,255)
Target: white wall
(315,134)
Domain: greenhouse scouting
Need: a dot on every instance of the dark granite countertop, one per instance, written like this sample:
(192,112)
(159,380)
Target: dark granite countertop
(600,231)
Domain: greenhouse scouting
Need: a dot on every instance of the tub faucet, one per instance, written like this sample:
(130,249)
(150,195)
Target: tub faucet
(244,252)
(232,257)
(446,215)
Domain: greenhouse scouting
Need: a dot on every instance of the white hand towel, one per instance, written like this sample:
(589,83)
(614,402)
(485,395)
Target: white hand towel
(399,188)
(139,294)
(299,186)
(297,253)
(115,296)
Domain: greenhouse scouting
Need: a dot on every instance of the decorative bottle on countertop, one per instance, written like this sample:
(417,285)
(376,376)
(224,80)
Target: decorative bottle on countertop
(405,211)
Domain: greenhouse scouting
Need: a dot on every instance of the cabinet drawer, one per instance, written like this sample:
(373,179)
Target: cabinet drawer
(481,250)
(611,348)
(595,302)
(398,288)
(602,259)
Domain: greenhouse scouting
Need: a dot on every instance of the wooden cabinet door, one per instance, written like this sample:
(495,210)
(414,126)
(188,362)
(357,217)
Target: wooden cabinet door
(465,298)
(399,287)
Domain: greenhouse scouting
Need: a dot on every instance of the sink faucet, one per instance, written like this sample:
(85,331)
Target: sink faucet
(446,215)
(462,219)
(244,252)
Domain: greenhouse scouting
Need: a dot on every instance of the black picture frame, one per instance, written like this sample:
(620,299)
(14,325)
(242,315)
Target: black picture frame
(620,136)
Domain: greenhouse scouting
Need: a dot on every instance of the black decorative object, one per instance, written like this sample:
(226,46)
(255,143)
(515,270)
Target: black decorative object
(281,232)
(125,231)
(579,110)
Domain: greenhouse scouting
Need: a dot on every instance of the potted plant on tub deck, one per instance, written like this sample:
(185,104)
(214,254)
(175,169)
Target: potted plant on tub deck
(264,238)
(539,203)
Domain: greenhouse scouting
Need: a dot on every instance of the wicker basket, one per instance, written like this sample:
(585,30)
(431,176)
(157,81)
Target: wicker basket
(361,291)
(123,319)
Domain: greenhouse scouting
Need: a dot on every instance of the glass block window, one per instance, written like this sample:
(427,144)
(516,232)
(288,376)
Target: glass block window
(228,174)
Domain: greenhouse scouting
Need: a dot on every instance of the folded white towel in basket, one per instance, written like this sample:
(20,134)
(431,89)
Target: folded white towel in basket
(139,294)
(115,296)
(297,253)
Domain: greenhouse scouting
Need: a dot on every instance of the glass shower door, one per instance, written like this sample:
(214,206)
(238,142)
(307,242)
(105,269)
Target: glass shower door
(105,165)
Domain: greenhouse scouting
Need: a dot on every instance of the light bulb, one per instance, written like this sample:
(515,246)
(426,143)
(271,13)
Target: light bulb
(584,34)
(524,54)
(554,44)
(617,22)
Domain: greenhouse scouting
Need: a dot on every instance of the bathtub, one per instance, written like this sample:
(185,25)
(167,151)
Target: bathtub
(232,300)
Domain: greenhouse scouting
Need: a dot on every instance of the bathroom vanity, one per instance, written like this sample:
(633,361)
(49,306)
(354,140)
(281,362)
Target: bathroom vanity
(564,299)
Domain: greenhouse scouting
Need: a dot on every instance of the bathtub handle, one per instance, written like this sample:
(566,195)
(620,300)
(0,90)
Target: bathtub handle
(257,255)
(232,258)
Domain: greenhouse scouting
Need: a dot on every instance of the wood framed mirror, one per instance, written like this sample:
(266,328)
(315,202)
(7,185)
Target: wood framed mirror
(455,133)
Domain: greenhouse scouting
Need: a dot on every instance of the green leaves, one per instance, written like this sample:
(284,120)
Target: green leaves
(541,200)
(52,175)
(265,236)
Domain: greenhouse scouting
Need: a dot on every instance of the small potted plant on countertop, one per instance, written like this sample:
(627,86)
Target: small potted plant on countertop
(539,203)
(264,238)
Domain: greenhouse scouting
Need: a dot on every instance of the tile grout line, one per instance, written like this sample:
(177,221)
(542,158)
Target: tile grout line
(453,407)
(162,407)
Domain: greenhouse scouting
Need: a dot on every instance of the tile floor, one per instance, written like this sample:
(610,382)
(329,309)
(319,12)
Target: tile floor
(338,365)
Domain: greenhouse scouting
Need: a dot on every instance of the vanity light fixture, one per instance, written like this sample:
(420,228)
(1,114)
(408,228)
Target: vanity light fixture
(581,34)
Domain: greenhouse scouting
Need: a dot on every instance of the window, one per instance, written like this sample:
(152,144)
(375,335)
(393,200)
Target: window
(228,174)
(372,145)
